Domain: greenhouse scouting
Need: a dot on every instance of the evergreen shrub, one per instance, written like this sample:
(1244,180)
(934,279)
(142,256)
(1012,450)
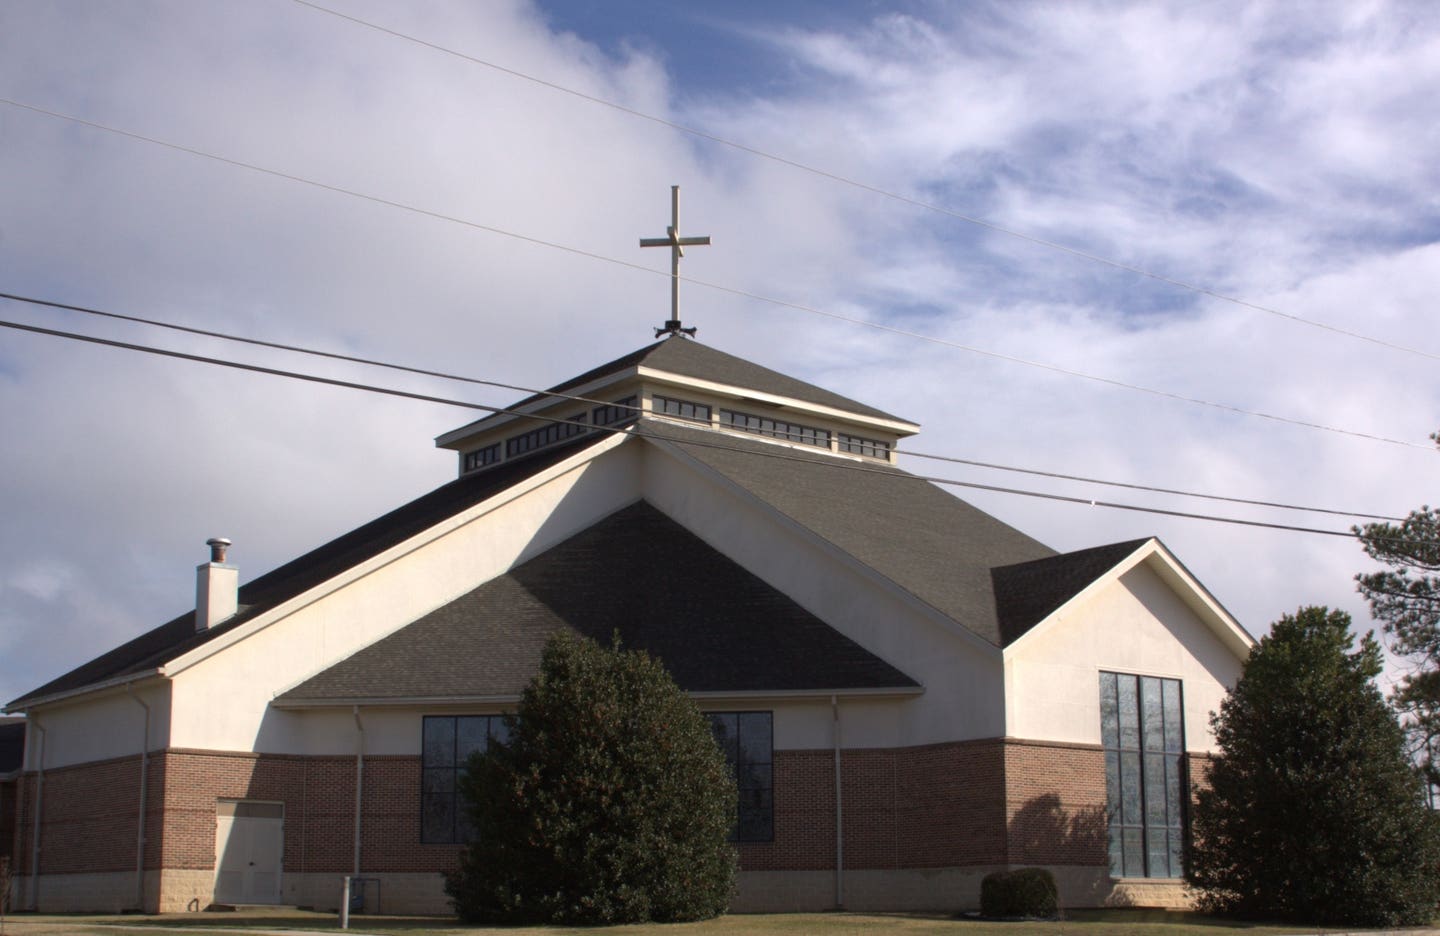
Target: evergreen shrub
(1313,812)
(610,803)
(1024,892)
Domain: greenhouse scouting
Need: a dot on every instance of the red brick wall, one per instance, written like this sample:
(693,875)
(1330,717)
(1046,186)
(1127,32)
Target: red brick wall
(1055,804)
(931,806)
(952,804)
(319,798)
(89,817)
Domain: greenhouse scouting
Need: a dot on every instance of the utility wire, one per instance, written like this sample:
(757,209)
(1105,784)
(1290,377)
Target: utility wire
(552,394)
(1147,487)
(661,436)
(873,189)
(1236,410)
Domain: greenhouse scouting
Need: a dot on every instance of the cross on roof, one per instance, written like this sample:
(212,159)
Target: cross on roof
(676,243)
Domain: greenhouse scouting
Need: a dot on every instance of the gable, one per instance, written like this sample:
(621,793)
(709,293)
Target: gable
(716,627)
(1143,616)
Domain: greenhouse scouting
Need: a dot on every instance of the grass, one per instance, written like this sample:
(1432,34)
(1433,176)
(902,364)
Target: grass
(1077,922)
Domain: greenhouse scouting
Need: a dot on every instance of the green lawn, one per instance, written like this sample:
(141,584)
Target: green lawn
(1094,922)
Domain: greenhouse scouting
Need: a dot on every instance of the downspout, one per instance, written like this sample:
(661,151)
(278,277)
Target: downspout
(839,810)
(359,782)
(34,722)
(140,824)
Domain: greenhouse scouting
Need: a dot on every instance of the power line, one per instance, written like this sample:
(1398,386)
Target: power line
(1149,488)
(873,189)
(1225,407)
(372,362)
(842,465)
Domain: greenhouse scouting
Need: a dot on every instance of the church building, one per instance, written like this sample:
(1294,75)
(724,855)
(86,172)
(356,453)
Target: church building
(911,693)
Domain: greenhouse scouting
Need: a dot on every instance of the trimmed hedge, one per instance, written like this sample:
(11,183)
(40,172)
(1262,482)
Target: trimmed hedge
(1025,892)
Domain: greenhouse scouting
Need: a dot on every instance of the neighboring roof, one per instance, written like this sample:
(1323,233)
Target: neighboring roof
(715,626)
(1029,592)
(686,357)
(12,745)
(927,541)
(156,647)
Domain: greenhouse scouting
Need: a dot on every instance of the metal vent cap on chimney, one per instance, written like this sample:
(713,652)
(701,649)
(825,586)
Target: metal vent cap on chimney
(218,545)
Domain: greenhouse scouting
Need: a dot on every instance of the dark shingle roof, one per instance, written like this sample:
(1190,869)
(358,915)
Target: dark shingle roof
(1028,592)
(715,626)
(689,358)
(164,643)
(932,544)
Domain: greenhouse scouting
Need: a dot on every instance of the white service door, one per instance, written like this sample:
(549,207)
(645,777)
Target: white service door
(248,855)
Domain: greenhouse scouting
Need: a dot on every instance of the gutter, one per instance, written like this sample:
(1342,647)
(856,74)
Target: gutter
(839,810)
(716,695)
(359,782)
(34,722)
(26,703)
(140,822)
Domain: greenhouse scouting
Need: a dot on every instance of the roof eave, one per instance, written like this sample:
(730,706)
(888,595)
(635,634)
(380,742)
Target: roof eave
(711,695)
(26,703)
(900,427)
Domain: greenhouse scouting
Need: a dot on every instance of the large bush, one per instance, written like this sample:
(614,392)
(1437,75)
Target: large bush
(1313,812)
(610,802)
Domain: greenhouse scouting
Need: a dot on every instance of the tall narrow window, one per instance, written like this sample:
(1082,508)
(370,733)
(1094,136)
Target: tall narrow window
(1142,729)
(447,743)
(747,740)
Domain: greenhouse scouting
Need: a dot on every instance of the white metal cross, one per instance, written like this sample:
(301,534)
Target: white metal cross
(677,245)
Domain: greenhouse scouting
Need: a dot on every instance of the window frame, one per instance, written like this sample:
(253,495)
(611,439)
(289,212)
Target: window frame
(1146,774)
(454,767)
(676,408)
(860,445)
(769,426)
(757,778)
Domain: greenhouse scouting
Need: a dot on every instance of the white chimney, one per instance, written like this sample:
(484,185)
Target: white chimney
(216,587)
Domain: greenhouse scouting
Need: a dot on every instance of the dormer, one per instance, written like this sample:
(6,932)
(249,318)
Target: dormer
(679,379)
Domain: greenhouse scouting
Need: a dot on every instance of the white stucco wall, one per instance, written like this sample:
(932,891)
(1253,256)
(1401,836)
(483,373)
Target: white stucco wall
(97,727)
(221,702)
(396,730)
(1135,624)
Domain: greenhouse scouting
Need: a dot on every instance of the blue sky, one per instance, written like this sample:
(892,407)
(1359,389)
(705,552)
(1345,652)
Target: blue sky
(1278,155)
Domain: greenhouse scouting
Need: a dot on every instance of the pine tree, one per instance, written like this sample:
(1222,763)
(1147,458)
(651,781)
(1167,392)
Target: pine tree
(1312,812)
(1405,598)
(609,803)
